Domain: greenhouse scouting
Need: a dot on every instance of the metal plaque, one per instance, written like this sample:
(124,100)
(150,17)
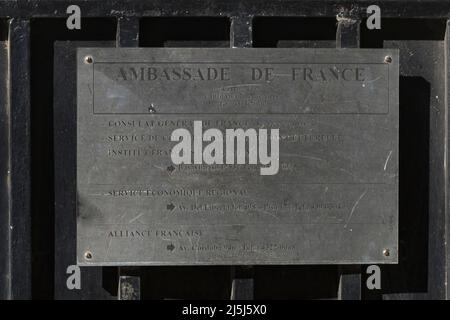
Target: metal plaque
(332,200)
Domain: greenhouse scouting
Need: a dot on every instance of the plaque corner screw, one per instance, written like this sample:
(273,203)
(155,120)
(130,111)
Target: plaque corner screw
(386,253)
(388,59)
(88,255)
(88,59)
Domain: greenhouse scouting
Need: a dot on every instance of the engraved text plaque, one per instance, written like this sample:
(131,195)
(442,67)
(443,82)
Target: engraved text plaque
(334,199)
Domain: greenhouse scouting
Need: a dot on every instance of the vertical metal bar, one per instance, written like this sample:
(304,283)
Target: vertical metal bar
(447,204)
(64,141)
(241,32)
(241,37)
(4,169)
(242,287)
(127,32)
(349,283)
(129,288)
(348,33)
(19,160)
(129,283)
(128,280)
(64,117)
(348,36)
(437,192)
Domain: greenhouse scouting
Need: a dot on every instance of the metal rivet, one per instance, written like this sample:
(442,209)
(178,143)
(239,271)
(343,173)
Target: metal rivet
(388,59)
(88,255)
(386,253)
(88,59)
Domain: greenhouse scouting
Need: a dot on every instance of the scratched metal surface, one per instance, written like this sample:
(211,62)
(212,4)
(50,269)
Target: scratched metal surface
(333,201)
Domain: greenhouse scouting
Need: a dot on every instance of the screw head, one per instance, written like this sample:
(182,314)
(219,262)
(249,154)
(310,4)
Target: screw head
(88,255)
(88,59)
(388,59)
(386,253)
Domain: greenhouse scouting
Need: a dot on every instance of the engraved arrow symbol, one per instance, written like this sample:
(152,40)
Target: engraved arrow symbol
(170,206)
(171,247)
